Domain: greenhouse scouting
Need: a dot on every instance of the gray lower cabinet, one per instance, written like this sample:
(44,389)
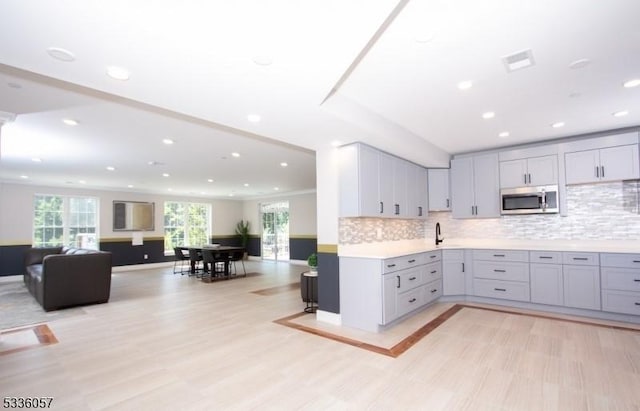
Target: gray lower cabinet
(501,274)
(453,272)
(581,280)
(620,283)
(547,285)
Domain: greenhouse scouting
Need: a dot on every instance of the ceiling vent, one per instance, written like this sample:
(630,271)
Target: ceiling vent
(519,60)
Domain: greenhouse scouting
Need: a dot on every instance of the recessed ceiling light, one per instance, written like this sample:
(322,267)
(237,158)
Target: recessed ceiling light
(283,164)
(70,122)
(558,124)
(118,73)
(504,134)
(82,182)
(169,189)
(230,194)
(36,160)
(202,193)
(61,54)
(276,188)
(235,154)
(262,60)
(165,174)
(620,113)
(167,141)
(24,177)
(130,186)
(254,118)
(632,83)
(111,168)
(210,180)
(465,85)
(488,115)
(246,184)
(578,64)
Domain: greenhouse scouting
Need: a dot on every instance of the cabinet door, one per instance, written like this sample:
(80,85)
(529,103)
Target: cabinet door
(486,181)
(513,173)
(368,182)
(581,166)
(439,199)
(547,285)
(421,189)
(619,163)
(581,286)
(453,277)
(400,170)
(389,298)
(385,185)
(542,171)
(462,198)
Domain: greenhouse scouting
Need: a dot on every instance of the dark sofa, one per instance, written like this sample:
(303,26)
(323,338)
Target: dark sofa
(60,277)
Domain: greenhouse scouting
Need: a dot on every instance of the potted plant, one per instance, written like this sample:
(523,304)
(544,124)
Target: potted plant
(313,263)
(242,230)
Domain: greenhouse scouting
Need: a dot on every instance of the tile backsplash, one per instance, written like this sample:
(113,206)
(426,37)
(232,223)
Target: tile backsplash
(605,211)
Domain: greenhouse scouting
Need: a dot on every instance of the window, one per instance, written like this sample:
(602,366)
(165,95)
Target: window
(68,221)
(186,224)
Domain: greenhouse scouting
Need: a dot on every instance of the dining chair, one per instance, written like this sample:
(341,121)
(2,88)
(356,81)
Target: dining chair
(237,256)
(195,256)
(208,262)
(180,260)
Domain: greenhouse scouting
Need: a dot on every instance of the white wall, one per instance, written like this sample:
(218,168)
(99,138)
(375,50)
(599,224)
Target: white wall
(302,213)
(16,211)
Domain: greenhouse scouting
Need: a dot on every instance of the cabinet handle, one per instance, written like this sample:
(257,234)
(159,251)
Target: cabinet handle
(420,211)
(498,255)
(435,290)
(597,171)
(381,207)
(499,271)
(545,257)
(434,271)
(411,261)
(637,303)
(463,267)
(432,256)
(397,209)
(637,280)
(398,277)
(580,258)
(500,289)
(529,178)
(602,171)
(447,203)
(413,300)
(636,261)
(390,265)
(412,278)
(525,178)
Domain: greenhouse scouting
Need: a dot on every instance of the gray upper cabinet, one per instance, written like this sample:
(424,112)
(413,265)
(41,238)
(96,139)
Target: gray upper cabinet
(377,184)
(475,191)
(439,191)
(534,171)
(606,164)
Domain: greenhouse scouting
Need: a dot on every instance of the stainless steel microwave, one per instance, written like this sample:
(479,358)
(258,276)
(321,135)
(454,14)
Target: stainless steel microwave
(529,200)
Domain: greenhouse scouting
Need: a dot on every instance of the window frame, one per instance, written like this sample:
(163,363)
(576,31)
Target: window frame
(66,215)
(185,224)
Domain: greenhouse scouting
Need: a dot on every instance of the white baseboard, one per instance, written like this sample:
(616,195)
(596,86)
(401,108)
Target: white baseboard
(328,317)
(134,267)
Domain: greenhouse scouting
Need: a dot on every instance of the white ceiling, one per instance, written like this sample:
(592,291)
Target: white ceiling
(340,71)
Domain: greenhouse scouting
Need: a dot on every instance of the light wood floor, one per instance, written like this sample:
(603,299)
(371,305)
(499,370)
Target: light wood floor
(176,343)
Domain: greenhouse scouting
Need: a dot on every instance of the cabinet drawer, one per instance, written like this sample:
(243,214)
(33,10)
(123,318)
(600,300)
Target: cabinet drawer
(501,270)
(501,289)
(453,254)
(625,302)
(624,279)
(580,258)
(432,291)
(410,300)
(501,255)
(432,271)
(620,260)
(408,279)
(545,257)
(432,256)
(400,263)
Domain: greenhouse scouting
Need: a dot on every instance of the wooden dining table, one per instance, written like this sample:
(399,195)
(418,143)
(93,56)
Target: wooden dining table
(221,255)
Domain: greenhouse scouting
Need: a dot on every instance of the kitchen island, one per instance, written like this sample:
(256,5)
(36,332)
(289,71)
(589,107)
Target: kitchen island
(382,283)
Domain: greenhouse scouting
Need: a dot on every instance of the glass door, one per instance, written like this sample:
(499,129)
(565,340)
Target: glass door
(275,231)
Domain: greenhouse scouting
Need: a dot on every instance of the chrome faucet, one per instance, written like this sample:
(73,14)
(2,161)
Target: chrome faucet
(438,239)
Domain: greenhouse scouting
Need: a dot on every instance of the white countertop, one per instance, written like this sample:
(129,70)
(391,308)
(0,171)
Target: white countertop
(391,249)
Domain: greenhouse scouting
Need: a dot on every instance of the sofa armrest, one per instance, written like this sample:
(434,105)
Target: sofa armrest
(37,254)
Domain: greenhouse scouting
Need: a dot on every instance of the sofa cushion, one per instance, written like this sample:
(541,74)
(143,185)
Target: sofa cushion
(35,271)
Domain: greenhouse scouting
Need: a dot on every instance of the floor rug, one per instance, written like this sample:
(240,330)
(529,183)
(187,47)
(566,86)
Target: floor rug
(18,308)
